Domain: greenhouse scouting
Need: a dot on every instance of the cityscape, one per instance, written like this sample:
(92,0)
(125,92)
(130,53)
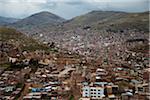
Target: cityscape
(99,55)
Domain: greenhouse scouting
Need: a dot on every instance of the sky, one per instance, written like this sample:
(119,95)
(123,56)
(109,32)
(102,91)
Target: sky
(68,8)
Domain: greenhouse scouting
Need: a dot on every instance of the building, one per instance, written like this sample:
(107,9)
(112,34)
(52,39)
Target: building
(94,91)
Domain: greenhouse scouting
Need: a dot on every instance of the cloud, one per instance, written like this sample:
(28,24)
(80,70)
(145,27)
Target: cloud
(68,8)
(20,9)
(24,1)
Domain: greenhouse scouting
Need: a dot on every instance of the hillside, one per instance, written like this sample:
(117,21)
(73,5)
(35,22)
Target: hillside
(97,29)
(6,20)
(94,17)
(93,31)
(14,43)
(139,21)
(17,39)
(99,20)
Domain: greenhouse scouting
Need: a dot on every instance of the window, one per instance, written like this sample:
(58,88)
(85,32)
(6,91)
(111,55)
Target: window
(140,89)
(86,89)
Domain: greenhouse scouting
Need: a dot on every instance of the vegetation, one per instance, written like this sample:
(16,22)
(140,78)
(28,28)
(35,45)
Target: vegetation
(5,65)
(71,97)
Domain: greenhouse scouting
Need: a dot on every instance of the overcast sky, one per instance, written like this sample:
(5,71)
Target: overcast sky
(68,8)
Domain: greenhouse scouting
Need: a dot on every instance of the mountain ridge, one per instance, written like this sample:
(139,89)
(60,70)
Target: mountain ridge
(95,21)
(37,20)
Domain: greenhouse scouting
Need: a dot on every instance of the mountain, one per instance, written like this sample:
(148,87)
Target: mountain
(37,20)
(95,16)
(99,20)
(46,22)
(6,20)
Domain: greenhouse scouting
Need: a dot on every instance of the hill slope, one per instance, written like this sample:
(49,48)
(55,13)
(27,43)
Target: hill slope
(11,36)
(99,20)
(94,16)
(6,20)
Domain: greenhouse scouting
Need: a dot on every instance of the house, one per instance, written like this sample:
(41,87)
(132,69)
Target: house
(101,72)
(142,88)
(9,88)
(126,96)
(65,72)
(146,75)
(12,60)
(26,61)
(33,96)
(45,62)
(36,89)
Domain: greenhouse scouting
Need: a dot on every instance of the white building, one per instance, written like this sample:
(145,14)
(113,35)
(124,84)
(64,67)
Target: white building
(101,72)
(94,92)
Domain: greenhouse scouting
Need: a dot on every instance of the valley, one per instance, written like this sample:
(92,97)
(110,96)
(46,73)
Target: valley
(99,55)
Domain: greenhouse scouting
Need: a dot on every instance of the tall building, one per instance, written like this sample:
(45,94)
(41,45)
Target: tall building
(94,92)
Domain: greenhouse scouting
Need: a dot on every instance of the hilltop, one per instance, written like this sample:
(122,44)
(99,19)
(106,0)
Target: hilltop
(37,21)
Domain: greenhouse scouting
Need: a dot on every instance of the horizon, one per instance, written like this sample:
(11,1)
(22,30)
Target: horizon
(74,16)
(21,9)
